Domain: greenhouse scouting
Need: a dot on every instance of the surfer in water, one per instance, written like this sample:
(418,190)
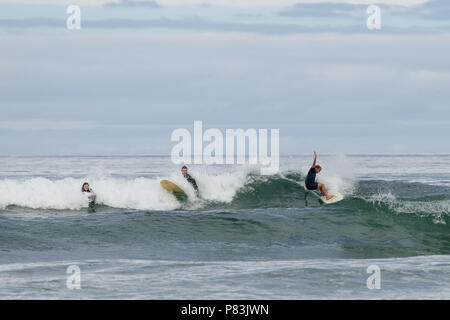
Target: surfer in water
(188,177)
(91,196)
(310,181)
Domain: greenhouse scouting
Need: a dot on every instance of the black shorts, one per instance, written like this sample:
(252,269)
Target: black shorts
(312,186)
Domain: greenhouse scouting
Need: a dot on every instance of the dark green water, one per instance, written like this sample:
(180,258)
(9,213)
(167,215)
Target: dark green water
(268,241)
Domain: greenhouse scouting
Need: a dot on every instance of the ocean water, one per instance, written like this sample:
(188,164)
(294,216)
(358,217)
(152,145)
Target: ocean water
(249,236)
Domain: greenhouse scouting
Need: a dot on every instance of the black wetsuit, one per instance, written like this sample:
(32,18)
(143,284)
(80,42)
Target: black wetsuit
(310,181)
(192,181)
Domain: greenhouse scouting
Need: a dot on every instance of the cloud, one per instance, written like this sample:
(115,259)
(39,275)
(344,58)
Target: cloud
(282,3)
(28,125)
(39,124)
(322,9)
(88,3)
(436,10)
(431,9)
(420,122)
(117,86)
(219,3)
(33,22)
(329,17)
(200,24)
(133,4)
(193,24)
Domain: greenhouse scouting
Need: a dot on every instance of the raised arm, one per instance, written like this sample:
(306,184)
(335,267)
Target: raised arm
(315,159)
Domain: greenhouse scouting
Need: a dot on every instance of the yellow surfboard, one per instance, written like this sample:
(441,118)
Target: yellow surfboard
(172,187)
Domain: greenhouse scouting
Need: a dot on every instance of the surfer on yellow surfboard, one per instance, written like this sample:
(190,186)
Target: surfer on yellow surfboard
(172,187)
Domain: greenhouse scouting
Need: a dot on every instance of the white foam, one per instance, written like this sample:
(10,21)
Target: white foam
(435,209)
(222,187)
(42,193)
(337,174)
(137,193)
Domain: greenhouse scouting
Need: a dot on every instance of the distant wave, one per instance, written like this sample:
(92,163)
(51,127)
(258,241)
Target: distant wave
(437,209)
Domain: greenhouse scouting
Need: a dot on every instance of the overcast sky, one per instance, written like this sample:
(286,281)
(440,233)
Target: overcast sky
(137,70)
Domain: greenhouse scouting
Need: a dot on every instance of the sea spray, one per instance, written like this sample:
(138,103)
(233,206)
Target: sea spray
(337,173)
(137,193)
(42,193)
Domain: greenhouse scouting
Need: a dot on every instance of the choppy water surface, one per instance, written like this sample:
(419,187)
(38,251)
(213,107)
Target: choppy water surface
(248,236)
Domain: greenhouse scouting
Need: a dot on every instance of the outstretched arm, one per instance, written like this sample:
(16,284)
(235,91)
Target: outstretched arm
(315,159)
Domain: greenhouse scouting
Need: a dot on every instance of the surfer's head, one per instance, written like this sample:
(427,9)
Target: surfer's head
(318,168)
(184,170)
(85,187)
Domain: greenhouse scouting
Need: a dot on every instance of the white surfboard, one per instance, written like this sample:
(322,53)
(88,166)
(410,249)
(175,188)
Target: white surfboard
(336,197)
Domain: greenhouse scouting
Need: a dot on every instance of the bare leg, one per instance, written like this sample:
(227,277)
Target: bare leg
(324,191)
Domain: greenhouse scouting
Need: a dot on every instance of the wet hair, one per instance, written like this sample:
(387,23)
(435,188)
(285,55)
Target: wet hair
(82,187)
(318,167)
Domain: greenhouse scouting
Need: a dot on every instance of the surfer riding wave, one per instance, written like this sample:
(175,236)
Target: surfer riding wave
(310,181)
